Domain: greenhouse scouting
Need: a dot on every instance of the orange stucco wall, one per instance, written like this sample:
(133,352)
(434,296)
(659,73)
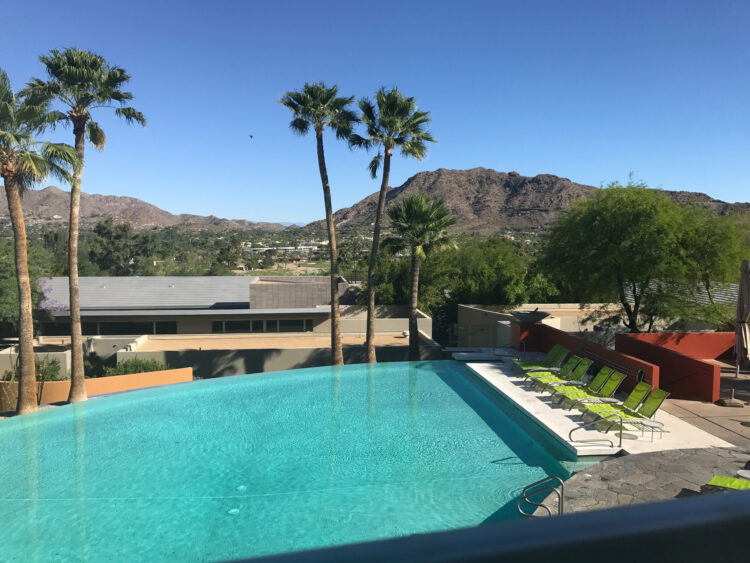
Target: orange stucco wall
(542,337)
(57,391)
(679,357)
(700,345)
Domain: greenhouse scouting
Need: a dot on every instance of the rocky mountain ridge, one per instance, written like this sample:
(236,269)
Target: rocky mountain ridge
(483,201)
(51,204)
(486,201)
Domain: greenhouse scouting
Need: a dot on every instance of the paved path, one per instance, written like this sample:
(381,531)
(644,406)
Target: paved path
(651,477)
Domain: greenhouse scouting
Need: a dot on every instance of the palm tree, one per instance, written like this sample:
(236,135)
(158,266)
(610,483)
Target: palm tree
(81,81)
(421,226)
(395,123)
(317,106)
(24,161)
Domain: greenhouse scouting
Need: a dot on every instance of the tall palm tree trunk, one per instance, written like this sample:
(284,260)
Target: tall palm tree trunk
(413,298)
(370,341)
(337,354)
(27,379)
(77,381)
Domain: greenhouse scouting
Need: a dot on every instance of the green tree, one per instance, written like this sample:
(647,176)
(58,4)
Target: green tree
(713,248)
(392,122)
(317,106)
(118,250)
(625,239)
(81,81)
(421,226)
(24,161)
(37,259)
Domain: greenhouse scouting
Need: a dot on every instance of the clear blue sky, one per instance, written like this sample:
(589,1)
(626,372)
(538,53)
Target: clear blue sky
(587,90)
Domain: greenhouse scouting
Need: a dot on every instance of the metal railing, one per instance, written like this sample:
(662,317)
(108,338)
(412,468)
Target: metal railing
(595,440)
(539,487)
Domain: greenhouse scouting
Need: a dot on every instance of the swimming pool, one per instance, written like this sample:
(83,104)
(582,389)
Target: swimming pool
(265,463)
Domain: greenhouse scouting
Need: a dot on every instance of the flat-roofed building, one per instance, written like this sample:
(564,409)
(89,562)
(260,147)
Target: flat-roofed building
(191,304)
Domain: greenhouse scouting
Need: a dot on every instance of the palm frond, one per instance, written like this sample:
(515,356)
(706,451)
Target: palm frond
(317,105)
(359,142)
(374,165)
(131,115)
(393,245)
(96,135)
(82,81)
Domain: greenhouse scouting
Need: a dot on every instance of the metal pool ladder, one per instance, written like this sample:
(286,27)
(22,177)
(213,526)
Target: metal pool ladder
(542,486)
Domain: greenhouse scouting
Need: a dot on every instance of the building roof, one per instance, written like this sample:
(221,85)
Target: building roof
(150,313)
(150,292)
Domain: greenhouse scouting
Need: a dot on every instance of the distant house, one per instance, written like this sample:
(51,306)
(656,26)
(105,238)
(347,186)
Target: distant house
(191,304)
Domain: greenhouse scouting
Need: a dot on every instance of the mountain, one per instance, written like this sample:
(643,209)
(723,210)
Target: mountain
(486,201)
(52,204)
(483,201)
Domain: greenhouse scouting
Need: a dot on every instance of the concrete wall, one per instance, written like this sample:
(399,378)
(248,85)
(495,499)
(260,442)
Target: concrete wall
(218,363)
(106,346)
(483,327)
(57,391)
(9,358)
(685,377)
(355,322)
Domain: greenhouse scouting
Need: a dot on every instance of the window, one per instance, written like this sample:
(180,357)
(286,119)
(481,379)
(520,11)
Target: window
(257,326)
(308,325)
(272,326)
(292,325)
(57,329)
(126,328)
(165,327)
(236,326)
(217,326)
(89,329)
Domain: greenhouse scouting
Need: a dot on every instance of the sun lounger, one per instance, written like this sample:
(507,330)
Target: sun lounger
(565,370)
(605,384)
(640,417)
(631,403)
(553,359)
(729,483)
(546,381)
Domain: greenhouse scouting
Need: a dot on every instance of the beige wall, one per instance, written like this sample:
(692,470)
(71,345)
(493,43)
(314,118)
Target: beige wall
(9,357)
(355,321)
(218,363)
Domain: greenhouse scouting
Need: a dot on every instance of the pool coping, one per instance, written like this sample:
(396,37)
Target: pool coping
(559,422)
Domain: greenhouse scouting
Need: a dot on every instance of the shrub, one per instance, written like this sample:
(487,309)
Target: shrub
(135,365)
(46,370)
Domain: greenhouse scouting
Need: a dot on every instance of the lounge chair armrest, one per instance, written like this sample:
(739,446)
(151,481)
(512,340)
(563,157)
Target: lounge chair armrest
(609,400)
(532,370)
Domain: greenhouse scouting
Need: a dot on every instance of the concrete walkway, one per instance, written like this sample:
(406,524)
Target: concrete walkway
(657,476)
(560,422)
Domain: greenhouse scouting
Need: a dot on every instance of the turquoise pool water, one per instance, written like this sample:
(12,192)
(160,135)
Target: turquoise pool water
(264,463)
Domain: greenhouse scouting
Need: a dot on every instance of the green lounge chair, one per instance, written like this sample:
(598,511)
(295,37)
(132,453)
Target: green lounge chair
(565,370)
(631,403)
(642,417)
(553,359)
(605,384)
(729,483)
(572,378)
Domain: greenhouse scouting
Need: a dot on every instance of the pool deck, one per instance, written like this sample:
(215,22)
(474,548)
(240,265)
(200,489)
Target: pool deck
(700,440)
(678,432)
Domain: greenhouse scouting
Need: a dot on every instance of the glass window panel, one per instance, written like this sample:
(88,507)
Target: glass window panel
(236,326)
